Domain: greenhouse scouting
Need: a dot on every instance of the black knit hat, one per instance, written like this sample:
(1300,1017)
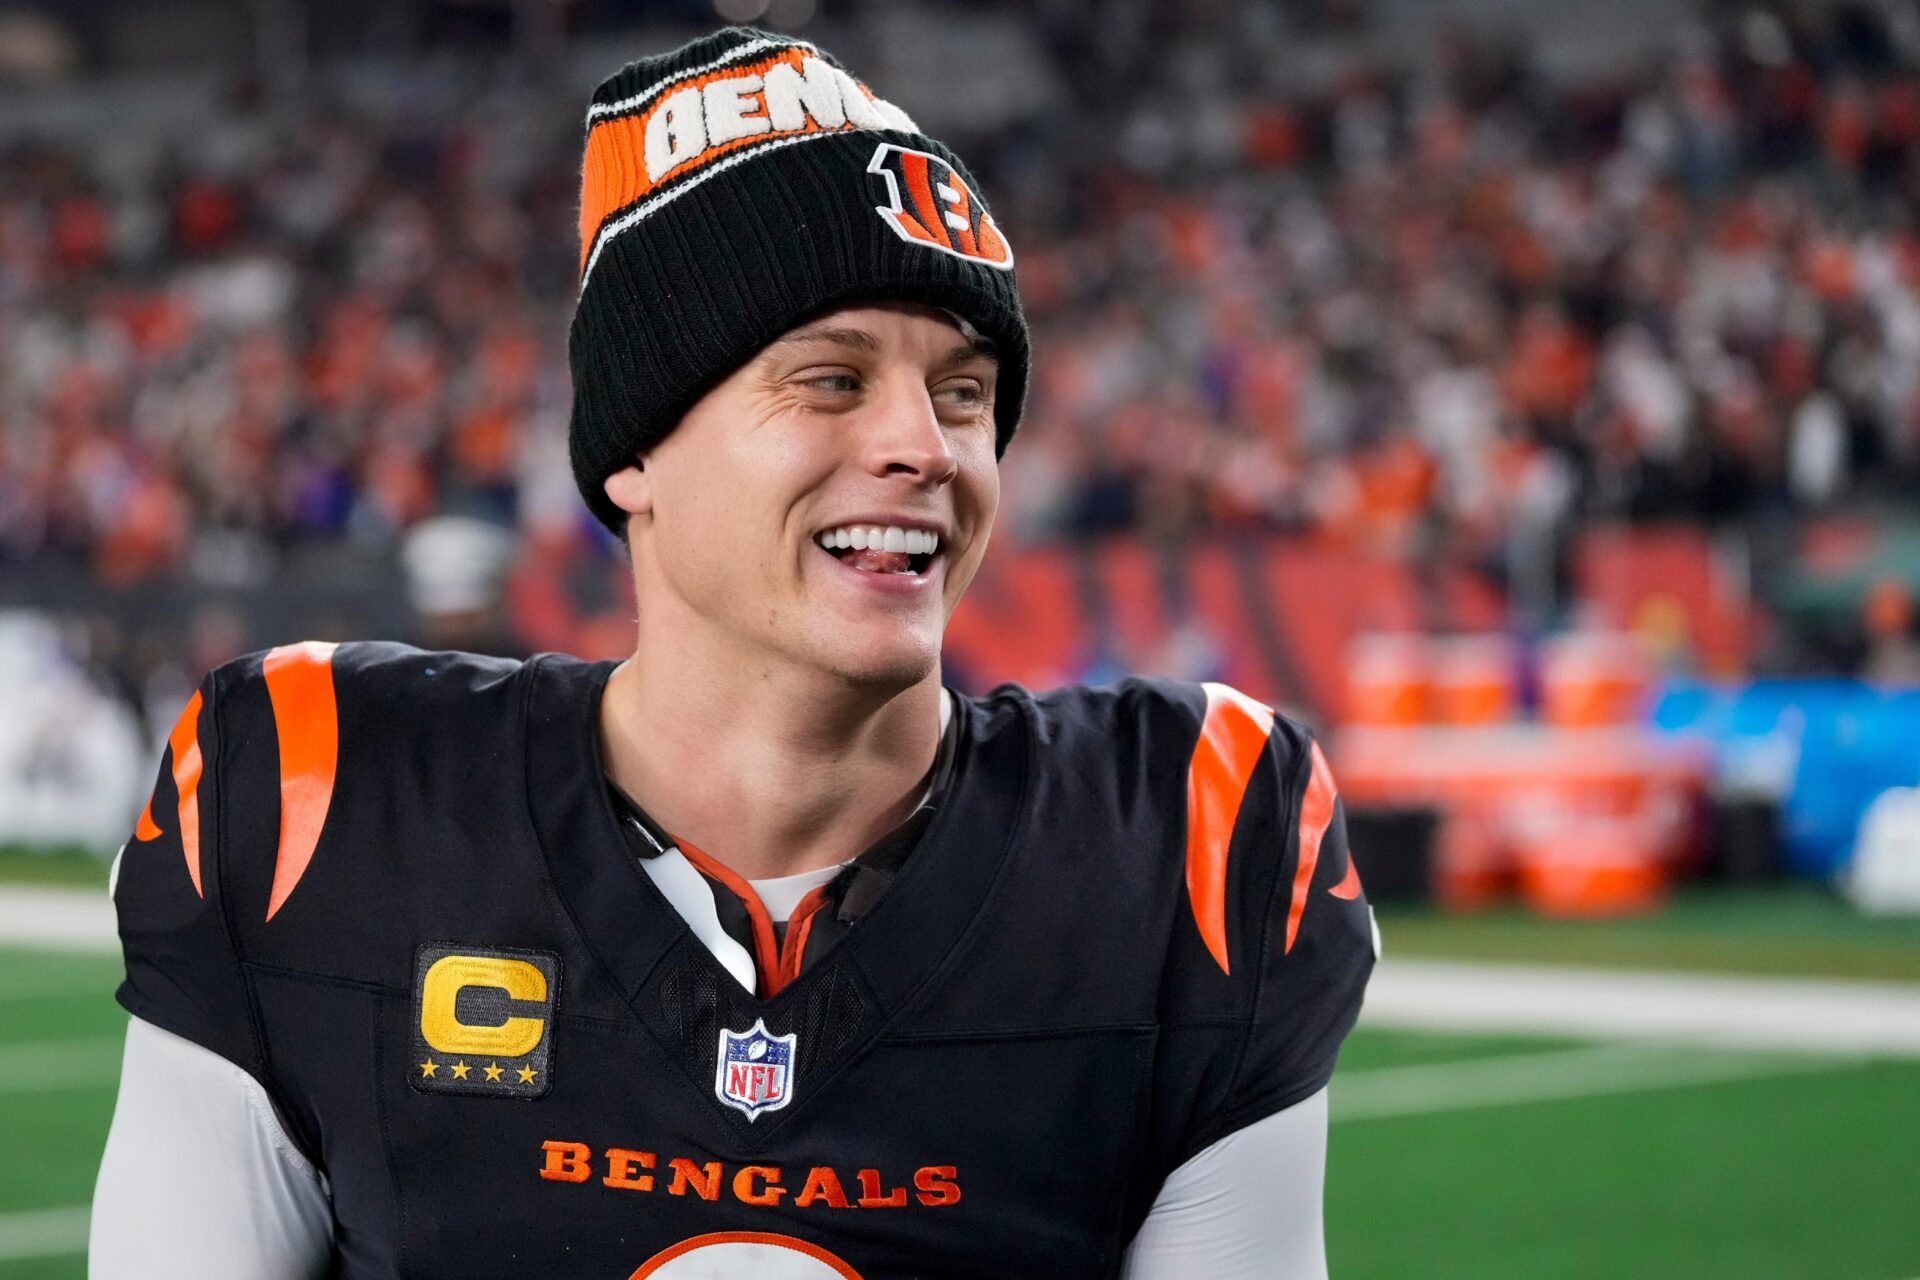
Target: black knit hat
(735,188)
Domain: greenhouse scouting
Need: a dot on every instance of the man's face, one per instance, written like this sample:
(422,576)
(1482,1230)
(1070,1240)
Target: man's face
(830,501)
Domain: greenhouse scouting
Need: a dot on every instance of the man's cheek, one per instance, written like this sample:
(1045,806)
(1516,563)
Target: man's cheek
(960,574)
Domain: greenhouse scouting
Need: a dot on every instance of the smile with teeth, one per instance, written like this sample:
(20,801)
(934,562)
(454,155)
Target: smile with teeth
(880,548)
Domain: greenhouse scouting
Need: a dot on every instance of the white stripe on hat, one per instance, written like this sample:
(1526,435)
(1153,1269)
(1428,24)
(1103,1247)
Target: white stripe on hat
(738,52)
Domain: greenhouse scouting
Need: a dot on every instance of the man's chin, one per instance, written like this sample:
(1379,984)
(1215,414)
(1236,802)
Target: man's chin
(895,661)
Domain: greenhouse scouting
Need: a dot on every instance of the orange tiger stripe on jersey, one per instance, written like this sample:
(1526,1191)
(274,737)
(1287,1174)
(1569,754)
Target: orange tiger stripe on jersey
(184,743)
(614,174)
(1349,886)
(1316,814)
(300,685)
(146,829)
(1232,738)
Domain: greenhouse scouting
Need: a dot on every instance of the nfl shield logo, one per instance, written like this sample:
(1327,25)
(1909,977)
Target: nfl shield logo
(756,1069)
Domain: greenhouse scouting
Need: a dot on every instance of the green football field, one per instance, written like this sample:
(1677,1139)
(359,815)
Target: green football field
(1453,1155)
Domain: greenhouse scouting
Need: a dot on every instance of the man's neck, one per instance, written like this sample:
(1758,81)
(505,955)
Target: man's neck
(770,770)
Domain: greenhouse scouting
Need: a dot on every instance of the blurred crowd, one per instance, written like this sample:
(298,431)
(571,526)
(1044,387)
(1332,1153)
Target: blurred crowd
(1456,300)
(275,334)
(1448,302)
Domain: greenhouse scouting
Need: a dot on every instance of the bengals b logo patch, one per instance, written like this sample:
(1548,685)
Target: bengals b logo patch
(929,203)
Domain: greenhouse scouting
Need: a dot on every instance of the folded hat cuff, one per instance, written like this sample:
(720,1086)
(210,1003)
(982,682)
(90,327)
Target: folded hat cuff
(630,393)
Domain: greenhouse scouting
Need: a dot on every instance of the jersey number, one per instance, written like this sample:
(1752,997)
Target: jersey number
(744,1253)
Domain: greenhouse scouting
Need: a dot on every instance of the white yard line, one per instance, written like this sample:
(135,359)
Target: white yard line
(60,919)
(1552,1076)
(50,1066)
(43,1233)
(1797,1015)
(1792,1014)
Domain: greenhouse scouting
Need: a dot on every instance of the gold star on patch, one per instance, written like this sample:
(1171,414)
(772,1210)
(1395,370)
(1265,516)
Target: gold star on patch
(460,1070)
(428,1068)
(527,1074)
(493,1072)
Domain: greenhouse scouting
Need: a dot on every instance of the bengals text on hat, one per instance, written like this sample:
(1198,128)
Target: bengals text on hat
(671,134)
(782,99)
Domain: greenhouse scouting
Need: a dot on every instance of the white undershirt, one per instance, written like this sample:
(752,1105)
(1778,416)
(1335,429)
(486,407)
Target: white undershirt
(781,894)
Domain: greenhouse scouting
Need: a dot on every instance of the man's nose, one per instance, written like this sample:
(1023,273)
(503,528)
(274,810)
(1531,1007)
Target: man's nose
(907,439)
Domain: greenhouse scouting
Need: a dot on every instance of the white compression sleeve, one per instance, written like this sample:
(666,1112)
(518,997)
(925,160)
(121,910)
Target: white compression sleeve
(199,1181)
(1246,1208)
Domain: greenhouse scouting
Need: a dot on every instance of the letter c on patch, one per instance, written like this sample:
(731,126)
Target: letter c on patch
(440,991)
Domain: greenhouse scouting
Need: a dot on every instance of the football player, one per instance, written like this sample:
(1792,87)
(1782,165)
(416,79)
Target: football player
(759,953)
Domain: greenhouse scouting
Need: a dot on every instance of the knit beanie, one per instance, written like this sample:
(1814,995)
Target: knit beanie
(735,188)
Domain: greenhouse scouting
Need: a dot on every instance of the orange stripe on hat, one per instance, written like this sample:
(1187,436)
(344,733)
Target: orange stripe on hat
(1232,738)
(184,742)
(613,173)
(300,683)
(1316,814)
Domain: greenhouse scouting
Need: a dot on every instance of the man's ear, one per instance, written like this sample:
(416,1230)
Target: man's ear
(631,489)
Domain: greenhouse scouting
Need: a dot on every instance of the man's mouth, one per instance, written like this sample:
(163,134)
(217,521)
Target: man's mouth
(881,548)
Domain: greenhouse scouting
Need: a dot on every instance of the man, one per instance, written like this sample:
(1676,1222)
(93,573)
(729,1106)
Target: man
(759,953)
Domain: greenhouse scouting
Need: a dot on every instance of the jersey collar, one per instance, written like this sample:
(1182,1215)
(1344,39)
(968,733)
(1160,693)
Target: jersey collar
(848,896)
(904,933)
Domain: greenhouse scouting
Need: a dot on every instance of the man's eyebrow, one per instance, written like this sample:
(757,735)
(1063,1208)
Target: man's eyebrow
(858,339)
(960,355)
(862,341)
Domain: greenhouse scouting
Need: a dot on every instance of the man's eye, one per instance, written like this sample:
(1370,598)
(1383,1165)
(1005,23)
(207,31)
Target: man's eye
(969,393)
(835,382)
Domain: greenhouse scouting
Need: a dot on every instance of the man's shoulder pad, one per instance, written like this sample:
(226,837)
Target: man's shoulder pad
(1192,791)
(311,733)
(1144,722)
(306,696)
(377,669)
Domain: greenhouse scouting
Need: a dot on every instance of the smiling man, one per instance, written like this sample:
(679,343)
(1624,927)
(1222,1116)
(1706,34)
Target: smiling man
(759,953)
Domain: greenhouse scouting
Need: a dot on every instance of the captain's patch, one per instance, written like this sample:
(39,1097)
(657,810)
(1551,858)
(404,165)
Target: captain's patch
(483,1021)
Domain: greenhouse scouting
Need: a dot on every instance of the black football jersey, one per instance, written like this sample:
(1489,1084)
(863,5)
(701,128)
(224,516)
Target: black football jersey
(393,887)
